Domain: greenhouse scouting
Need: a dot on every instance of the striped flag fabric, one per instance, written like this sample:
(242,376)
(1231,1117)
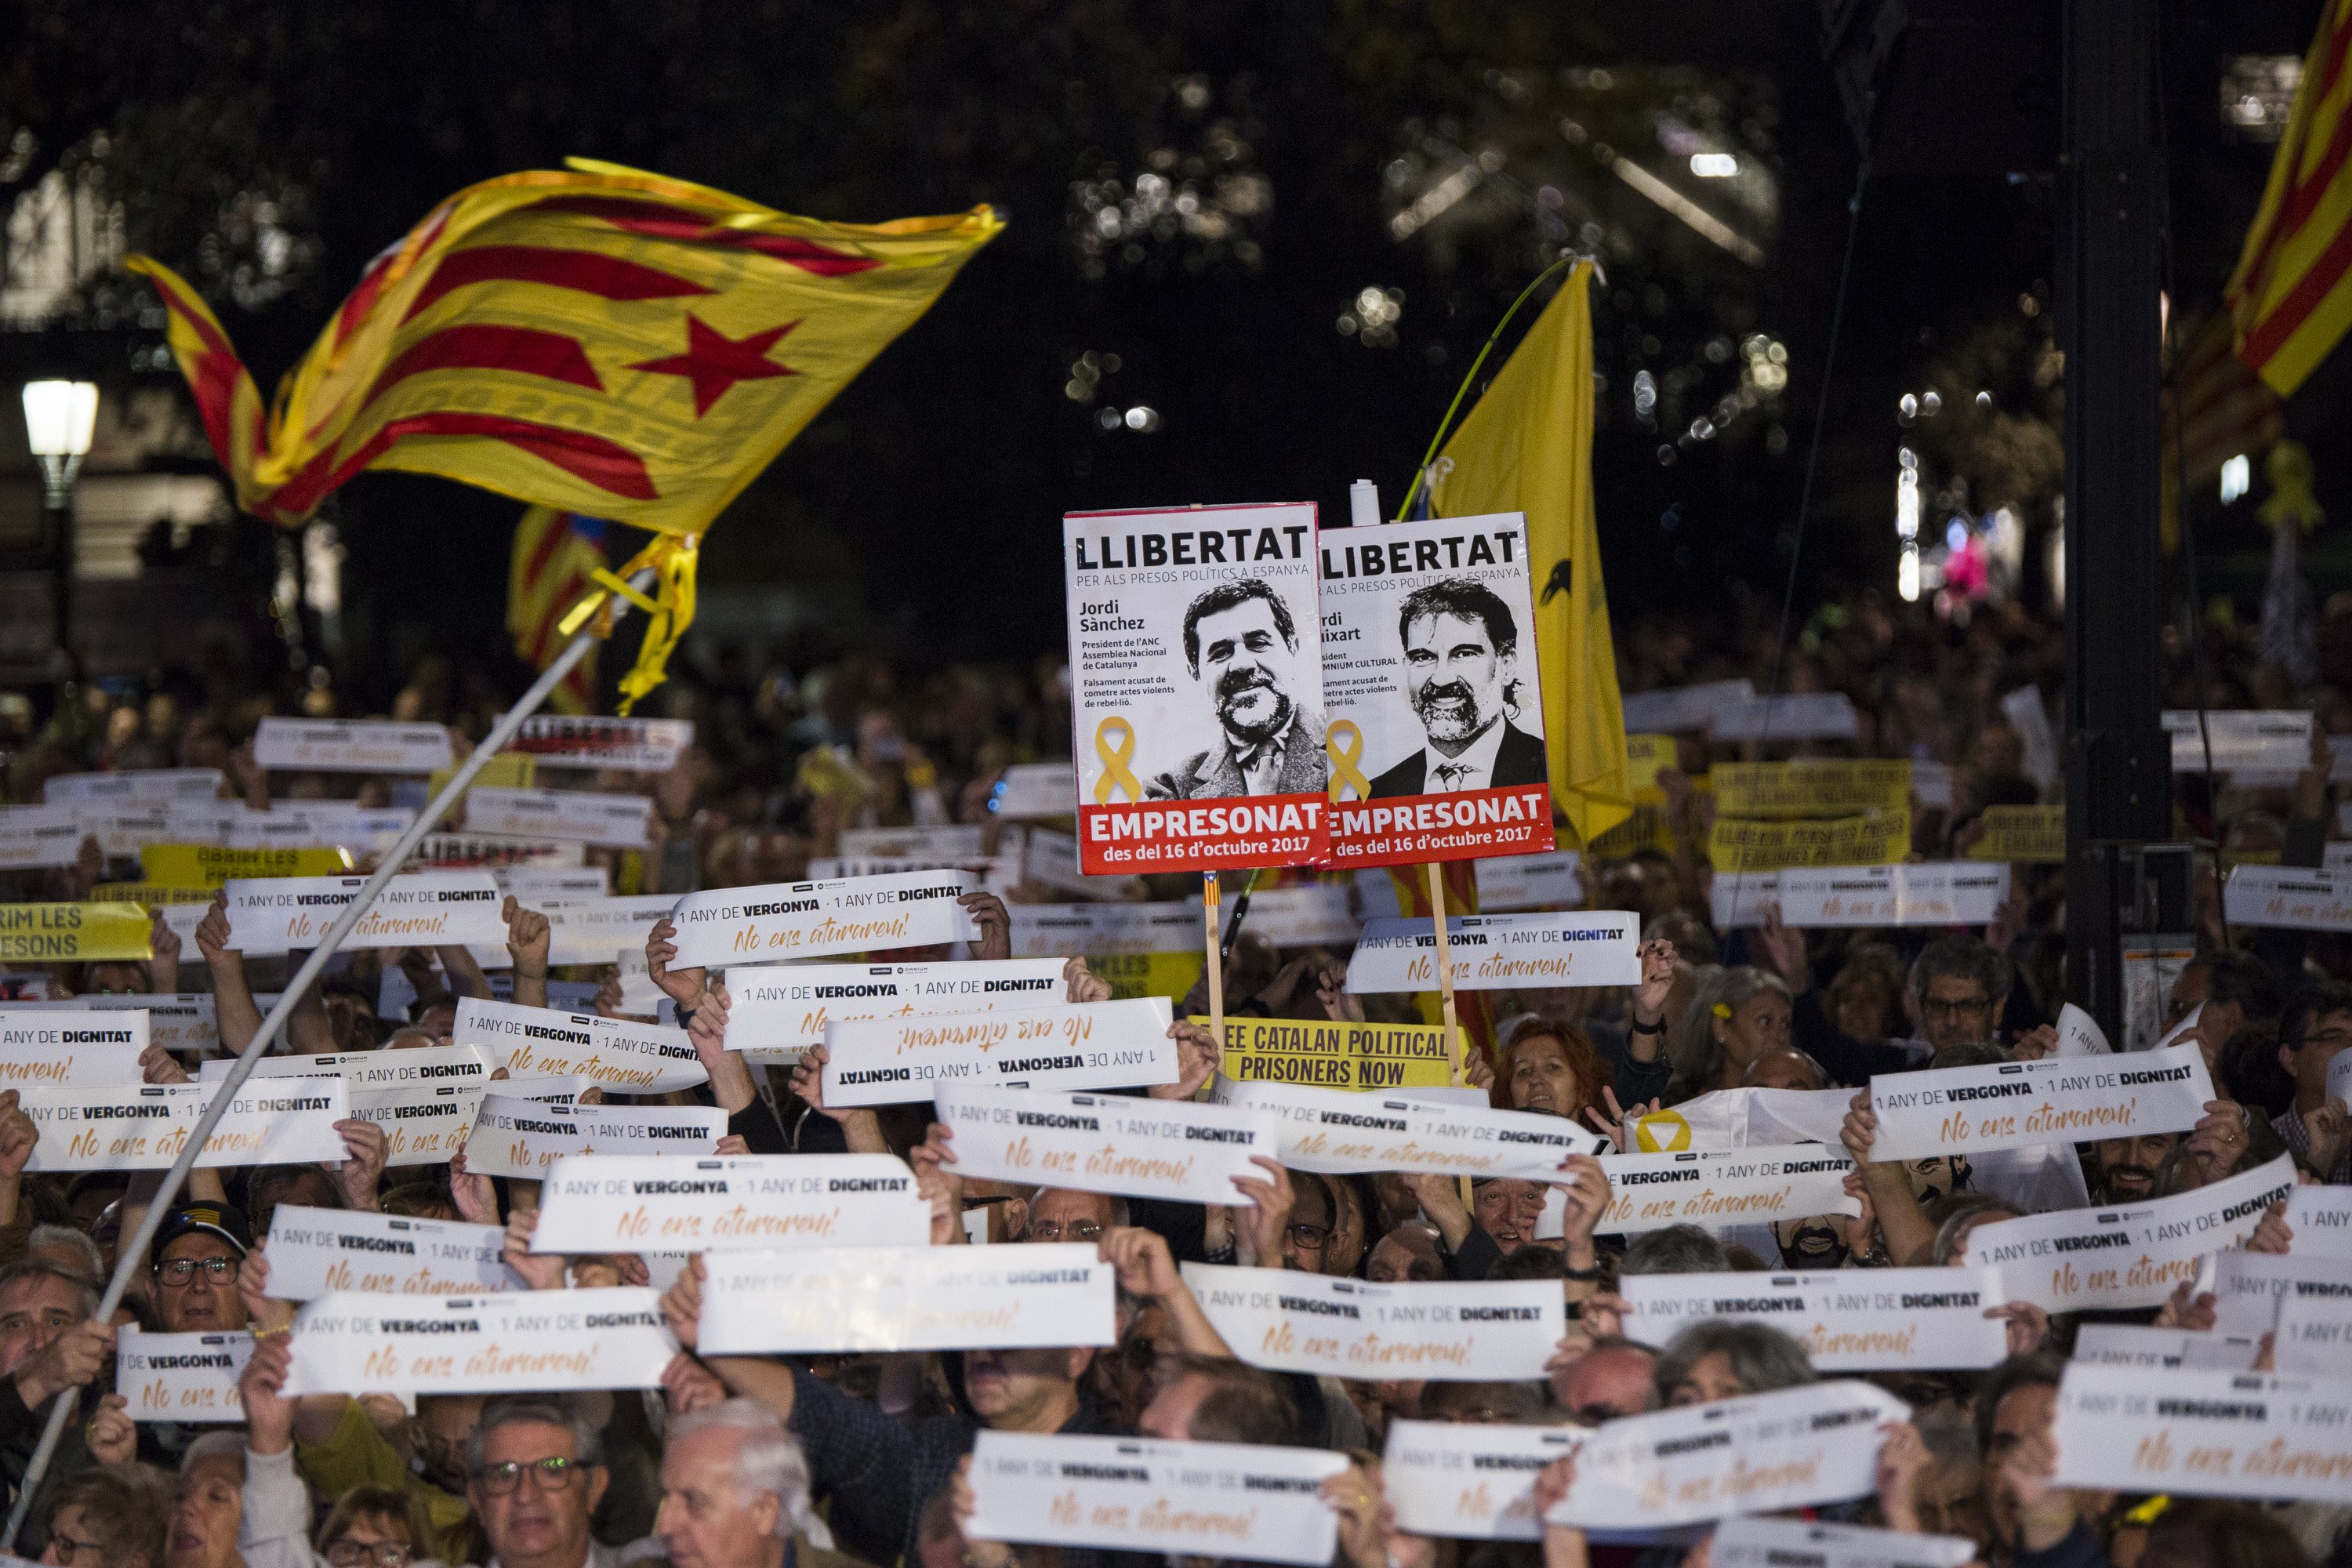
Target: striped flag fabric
(556,554)
(2290,299)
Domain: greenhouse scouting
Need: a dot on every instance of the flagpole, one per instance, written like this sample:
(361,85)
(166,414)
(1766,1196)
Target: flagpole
(135,1248)
(1211,935)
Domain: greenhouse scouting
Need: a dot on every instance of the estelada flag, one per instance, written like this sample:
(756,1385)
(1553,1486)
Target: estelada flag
(598,339)
(2290,299)
(557,556)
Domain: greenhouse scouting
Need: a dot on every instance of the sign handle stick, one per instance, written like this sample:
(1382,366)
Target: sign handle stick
(1216,958)
(1454,1064)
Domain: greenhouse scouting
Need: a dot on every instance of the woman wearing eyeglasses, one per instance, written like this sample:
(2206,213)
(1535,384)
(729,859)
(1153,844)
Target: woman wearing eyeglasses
(368,1526)
(110,1516)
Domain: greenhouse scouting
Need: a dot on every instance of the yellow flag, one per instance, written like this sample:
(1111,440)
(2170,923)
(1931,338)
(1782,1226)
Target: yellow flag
(1528,447)
(74,933)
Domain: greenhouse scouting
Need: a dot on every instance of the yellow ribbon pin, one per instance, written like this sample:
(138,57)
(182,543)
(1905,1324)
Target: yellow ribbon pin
(1662,1132)
(1345,773)
(1117,775)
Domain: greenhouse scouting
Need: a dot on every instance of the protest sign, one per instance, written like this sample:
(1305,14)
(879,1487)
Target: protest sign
(2010,1105)
(1316,914)
(1915,893)
(2025,835)
(2290,896)
(1328,1054)
(177,1022)
(1684,709)
(1741,1118)
(210,866)
(677,1203)
(1811,786)
(181,1377)
(1796,716)
(1648,755)
(1335,1131)
(546,886)
(1033,790)
(2130,1257)
(373,1069)
(2208,1433)
(640,1059)
(2248,1286)
(39,836)
(491,851)
(1753,1185)
(70,1046)
(2151,1349)
(144,1127)
(1196,691)
(356,745)
(1470,1480)
(624,745)
(1043,931)
(1746,1541)
(1743,845)
(1287,1321)
(1437,740)
(1501,952)
(74,933)
(1172,1149)
(1240,1502)
(2320,1219)
(120,834)
(131,787)
(957,841)
(514,1136)
(416,909)
(1530,881)
(1093,1045)
(1792,1448)
(1051,860)
(2315,1326)
(2241,739)
(618,820)
(906,1296)
(1848,1320)
(2079,1034)
(812,920)
(534,1341)
(313,1251)
(426,1123)
(776,1012)
(342,823)
(599,930)
(1739,899)
(2339,1079)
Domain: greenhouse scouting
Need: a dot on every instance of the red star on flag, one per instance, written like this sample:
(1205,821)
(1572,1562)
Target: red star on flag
(714,362)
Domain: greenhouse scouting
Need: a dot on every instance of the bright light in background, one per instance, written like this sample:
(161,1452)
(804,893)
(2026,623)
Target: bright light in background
(1906,574)
(2237,477)
(60,417)
(1906,526)
(1714,166)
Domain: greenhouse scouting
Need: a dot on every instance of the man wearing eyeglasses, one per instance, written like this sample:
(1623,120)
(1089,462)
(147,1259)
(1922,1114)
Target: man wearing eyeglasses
(536,1475)
(2316,1029)
(1061,1214)
(199,1249)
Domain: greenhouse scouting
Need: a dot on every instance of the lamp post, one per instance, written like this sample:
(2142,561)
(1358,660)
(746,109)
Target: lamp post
(59,416)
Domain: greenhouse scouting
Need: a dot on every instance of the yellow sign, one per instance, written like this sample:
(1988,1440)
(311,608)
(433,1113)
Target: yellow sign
(2034,835)
(1738,844)
(1646,754)
(508,770)
(1824,787)
(73,933)
(206,866)
(1329,1055)
(1133,974)
(149,893)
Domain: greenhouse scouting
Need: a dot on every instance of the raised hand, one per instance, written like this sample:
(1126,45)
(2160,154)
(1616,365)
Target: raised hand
(356,1177)
(1197,1060)
(683,986)
(1080,983)
(996,922)
(538,1271)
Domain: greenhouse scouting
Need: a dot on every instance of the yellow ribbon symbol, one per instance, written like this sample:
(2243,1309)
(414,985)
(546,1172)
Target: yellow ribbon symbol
(1345,773)
(1662,1132)
(1117,775)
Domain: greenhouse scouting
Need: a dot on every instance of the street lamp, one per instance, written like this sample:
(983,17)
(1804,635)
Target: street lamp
(59,416)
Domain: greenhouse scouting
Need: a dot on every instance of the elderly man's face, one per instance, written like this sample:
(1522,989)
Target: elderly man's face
(32,1313)
(1954,1011)
(708,1518)
(1453,676)
(1060,1214)
(529,1512)
(1601,1385)
(193,1293)
(1406,1254)
(1509,1209)
(1246,666)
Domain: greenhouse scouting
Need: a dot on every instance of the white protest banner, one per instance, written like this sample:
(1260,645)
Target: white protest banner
(1501,952)
(677,1203)
(1430,670)
(2079,1034)
(416,909)
(545,886)
(1680,708)
(313,1251)
(518,1137)
(2057,1100)
(491,851)
(131,787)
(1470,1480)
(1033,790)
(1172,1149)
(2314,1327)
(1737,1186)
(70,1046)
(2288,896)
(120,834)
(1739,898)
(371,1069)
(624,745)
(1314,915)
(1177,674)
(1797,716)
(639,1058)
(600,930)
(1287,1321)
(1530,881)
(1848,1320)
(777,1011)
(618,820)
(906,1296)
(1927,893)
(144,1127)
(2242,739)
(952,842)
(39,836)
(812,920)
(426,1123)
(1241,1501)
(2248,1286)
(1042,931)
(181,1021)
(342,824)
(2150,1349)
(1746,1541)
(1051,860)
(1741,1118)
(181,1377)
(1091,1045)
(2079,1258)
(2320,1219)
(1792,1448)
(535,1342)
(2339,1079)
(2206,1434)
(1335,1131)
(355,745)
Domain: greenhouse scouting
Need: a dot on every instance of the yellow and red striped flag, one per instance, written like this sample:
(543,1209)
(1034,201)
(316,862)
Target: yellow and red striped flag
(556,557)
(596,338)
(2290,299)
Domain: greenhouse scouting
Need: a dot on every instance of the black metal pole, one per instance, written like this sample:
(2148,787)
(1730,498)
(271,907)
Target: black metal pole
(2118,760)
(61,540)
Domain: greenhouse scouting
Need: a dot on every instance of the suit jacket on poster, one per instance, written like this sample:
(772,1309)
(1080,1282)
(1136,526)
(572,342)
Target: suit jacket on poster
(1519,760)
(1209,774)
